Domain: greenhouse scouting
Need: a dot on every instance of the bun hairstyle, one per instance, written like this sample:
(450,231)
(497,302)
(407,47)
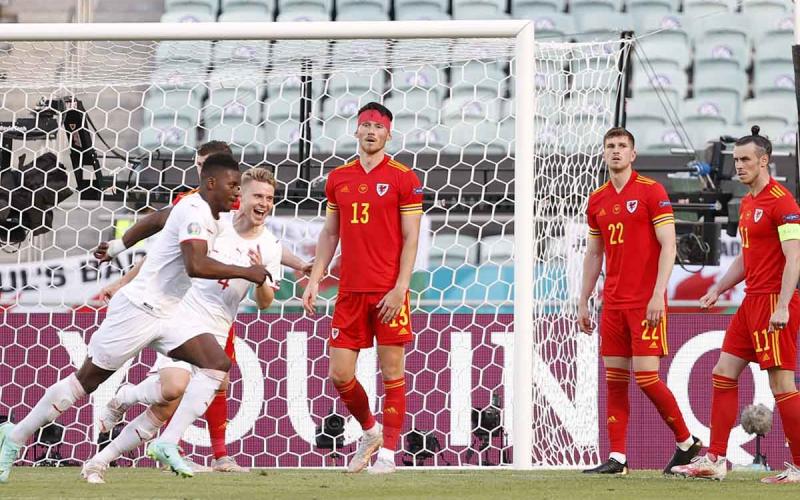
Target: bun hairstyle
(763,145)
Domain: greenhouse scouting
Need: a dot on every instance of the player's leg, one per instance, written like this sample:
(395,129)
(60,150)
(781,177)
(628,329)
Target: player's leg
(217,419)
(616,351)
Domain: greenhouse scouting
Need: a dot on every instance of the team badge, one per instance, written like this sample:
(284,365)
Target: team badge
(631,205)
(382,189)
(362,188)
(334,332)
(617,209)
(193,229)
(757,215)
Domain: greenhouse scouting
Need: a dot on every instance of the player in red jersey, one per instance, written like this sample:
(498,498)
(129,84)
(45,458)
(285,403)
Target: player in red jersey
(374,209)
(217,414)
(764,328)
(632,225)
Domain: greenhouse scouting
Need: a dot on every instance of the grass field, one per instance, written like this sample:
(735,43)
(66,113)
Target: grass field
(298,484)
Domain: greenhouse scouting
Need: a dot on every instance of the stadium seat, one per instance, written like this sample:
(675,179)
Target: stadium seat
(452,250)
(419,80)
(166,101)
(666,41)
(700,8)
(478,9)
(244,138)
(773,69)
(531,9)
(356,83)
(202,7)
(645,114)
(785,140)
(304,10)
(714,51)
(766,15)
(584,9)
(601,25)
(478,80)
(245,14)
(421,9)
(703,120)
(661,140)
(728,87)
(672,84)
(362,10)
(552,25)
(709,106)
(232,100)
(188,17)
(639,9)
(769,113)
(177,135)
(258,8)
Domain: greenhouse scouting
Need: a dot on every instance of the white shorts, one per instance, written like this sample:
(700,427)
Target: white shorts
(191,326)
(126,330)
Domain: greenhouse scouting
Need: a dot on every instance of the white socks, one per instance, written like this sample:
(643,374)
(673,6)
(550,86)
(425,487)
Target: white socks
(141,429)
(56,400)
(147,392)
(194,404)
(685,445)
(619,457)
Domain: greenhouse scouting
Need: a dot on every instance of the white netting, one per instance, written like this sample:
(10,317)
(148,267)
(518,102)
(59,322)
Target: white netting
(153,103)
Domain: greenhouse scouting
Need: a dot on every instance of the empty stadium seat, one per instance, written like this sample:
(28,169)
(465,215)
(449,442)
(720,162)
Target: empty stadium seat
(478,9)
(531,9)
(763,15)
(258,8)
(419,80)
(773,69)
(244,138)
(602,26)
(478,80)
(709,106)
(552,25)
(669,83)
(701,8)
(362,10)
(421,9)
(725,86)
(703,120)
(584,9)
(769,112)
(645,114)
(639,9)
(304,10)
(177,135)
(660,140)
(246,14)
(665,41)
(201,7)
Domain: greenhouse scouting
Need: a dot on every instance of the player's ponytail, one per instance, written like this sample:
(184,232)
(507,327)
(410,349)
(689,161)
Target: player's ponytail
(763,144)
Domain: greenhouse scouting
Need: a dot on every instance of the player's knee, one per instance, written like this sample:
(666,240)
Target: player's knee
(173,388)
(723,370)
(340,376)
(781,383)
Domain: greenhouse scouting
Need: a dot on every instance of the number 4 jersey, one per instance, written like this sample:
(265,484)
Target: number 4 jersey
(217,301)
(626,221)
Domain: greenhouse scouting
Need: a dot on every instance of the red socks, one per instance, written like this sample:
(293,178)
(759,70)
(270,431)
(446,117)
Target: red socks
(789,408)
(217,419)
(394,411)
(356,400)
(724,407)
(661,397)
(617,407)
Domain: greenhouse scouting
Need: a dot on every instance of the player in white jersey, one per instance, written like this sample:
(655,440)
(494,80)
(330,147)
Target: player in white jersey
(210,306)
(135,317)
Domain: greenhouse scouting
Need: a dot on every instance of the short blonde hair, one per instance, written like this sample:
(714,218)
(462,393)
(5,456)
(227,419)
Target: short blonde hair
(259,174)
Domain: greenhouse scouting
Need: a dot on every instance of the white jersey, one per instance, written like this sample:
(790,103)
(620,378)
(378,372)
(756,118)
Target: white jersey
(162,281)
(218,300)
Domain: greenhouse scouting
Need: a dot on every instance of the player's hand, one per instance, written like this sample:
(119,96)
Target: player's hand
(255,260)
(101,252)
(310,298)
(108,291)
(584,319)
(390,304)
(708,300)
(257,274)
(779,319)
(307,267)
(655,310)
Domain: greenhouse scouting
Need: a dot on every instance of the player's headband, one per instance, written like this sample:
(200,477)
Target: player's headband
(373,115)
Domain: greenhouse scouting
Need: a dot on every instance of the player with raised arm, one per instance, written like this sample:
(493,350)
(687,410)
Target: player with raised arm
(764,328)
(631,225)
(210,306)
(136,315)
(374,208)
(173,378)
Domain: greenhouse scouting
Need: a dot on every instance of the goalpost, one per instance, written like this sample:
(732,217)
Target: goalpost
(504,132)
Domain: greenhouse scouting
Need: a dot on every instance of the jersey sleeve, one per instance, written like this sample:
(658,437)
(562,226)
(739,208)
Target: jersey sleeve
(190,222)
(787,218)
(410,194)
(330,194)
(591,220)
(659,207)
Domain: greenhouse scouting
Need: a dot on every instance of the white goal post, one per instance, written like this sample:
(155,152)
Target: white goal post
(542,228)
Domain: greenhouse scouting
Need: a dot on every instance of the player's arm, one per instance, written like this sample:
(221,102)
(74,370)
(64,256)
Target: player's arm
(790,245)
(732,277)
(290,260)
(199,265)
(264,296)
(592,266)
(141,230)
(109,290)
(665,234)
(393,301)
(326,247)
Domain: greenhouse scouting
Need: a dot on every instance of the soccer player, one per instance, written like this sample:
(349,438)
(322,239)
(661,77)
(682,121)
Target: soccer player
(210,306)
(136,315)
(374,208)
(632,226)
(764,328)
(173,378)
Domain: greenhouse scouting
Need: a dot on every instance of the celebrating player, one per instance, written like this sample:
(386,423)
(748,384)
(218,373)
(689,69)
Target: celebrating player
(173,377)
(374,208)
(764,329)
(631,224)
(136,315)
(210,306)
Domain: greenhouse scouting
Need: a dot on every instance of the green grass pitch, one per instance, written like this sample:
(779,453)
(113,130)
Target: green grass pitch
(48,483)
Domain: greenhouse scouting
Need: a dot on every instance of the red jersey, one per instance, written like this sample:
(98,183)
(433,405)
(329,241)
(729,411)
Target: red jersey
(626,221)
(180,196)
(370,206)
(765,220)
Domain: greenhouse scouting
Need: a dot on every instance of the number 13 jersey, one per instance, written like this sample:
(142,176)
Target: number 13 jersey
(626,221)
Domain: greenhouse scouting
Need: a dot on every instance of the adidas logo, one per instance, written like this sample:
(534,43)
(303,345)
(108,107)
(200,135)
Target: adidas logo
(345,189)
(612,419)
(766,357)
(602,212)
(653,345)
(390,410)
(670,420)
(403,332)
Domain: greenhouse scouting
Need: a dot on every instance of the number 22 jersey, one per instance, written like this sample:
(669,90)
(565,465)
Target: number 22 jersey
(626,221)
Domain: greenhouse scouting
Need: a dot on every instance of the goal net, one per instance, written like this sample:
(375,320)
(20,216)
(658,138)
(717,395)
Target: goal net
(124,117)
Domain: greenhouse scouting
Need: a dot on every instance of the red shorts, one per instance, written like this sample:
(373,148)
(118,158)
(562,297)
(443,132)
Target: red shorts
(748,336)
(626,333)
(356,323)
(229,350)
